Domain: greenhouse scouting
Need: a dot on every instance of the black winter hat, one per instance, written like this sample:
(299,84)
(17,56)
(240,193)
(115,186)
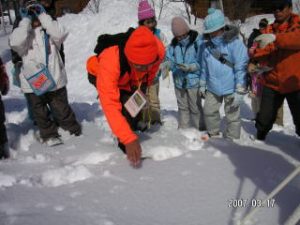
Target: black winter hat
(281,4)
(263,23)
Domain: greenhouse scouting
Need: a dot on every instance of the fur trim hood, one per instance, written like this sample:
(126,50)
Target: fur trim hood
(231,32)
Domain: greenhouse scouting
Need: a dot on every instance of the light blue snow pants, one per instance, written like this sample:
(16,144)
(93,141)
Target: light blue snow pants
(212,115)
(190,111)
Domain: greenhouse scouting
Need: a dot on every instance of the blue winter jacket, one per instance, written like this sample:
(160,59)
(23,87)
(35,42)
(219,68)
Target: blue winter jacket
(178,53)
(221,79)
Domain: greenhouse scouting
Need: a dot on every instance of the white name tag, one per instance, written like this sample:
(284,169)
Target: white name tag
(135,103)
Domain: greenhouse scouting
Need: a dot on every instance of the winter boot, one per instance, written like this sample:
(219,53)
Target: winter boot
(77,132)
(4,151)
(261,135)
(53,141)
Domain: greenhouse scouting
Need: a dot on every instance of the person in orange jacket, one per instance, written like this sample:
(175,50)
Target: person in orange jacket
(143,52)
(281,49)
(256,69)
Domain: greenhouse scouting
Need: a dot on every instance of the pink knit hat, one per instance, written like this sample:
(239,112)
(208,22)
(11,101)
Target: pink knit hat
(179,26)
(145,11)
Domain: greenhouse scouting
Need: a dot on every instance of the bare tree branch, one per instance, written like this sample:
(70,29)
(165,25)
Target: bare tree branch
(94,6)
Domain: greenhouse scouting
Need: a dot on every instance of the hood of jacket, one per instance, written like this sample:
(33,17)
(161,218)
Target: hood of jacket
(231,32)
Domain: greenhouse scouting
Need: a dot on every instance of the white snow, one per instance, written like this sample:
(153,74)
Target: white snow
(6,180)
(87,180)
(65,175)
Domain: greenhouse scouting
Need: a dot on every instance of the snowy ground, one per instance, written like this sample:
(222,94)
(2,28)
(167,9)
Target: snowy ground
(87,181)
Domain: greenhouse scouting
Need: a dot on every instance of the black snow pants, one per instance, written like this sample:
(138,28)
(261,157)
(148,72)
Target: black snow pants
(133,122)
(63,115)
(270,103)
(3,135)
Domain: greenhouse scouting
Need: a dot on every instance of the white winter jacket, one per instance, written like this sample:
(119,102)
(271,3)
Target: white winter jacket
(30,45)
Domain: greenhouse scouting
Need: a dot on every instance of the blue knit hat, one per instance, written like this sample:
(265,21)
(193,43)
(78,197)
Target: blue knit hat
(213,21)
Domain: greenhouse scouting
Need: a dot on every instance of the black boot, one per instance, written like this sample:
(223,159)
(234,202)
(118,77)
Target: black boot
(4,151)
(261,135)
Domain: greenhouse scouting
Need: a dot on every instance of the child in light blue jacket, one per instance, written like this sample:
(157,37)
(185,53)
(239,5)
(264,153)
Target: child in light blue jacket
(224,62)
(182,57)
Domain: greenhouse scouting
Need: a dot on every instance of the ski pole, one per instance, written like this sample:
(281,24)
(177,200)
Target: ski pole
(272,194)
(294,218)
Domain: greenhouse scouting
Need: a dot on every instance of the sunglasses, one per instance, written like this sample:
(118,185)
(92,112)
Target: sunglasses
(144,67)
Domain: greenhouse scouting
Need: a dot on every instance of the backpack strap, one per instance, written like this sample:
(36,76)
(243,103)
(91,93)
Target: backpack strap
(218,55)
(196,46)
(124,65)
(108,40)
(47,46)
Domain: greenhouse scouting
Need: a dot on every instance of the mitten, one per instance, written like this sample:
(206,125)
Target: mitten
(39,9)
(238,99)
(24,13)
(265,39)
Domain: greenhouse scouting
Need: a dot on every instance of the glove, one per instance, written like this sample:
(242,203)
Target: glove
(188,67)
(240,89)
(134,151)
(183,67)
(238,99)
(265,39)
(38,9)
(24,13)
(202,88)
(239,94)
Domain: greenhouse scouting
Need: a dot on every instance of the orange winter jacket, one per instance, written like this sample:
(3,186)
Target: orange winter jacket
(283,56)
(106,67)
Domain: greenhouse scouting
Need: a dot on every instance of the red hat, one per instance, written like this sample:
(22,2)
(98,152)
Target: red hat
(141,47)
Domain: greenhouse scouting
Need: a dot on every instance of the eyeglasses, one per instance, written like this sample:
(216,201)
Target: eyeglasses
(150,21)
(181,37)
(142,67)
